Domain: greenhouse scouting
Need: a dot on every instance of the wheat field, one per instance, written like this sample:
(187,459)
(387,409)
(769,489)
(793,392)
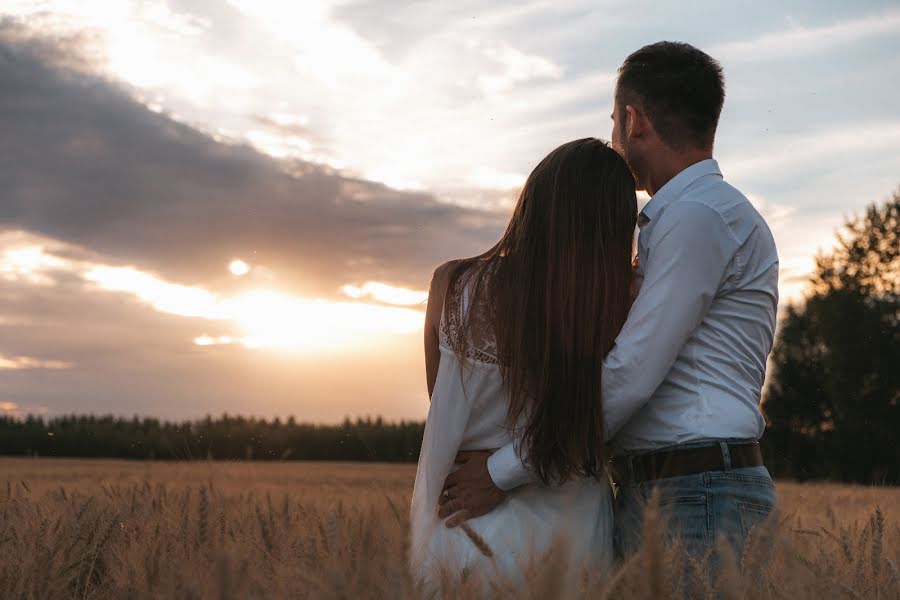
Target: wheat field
(118,529)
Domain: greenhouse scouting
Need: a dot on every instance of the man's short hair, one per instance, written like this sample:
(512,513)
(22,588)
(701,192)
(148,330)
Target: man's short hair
(679,87)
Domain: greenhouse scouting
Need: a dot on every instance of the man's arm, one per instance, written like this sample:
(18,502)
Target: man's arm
(508,470)
(690,250)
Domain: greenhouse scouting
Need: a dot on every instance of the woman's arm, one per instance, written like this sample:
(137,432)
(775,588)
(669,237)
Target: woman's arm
(436,292)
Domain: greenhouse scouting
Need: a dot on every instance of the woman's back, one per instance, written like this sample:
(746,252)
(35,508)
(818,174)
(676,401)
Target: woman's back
(468,412)
(547,300)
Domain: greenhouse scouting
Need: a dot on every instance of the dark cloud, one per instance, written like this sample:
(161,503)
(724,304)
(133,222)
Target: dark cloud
(83,161)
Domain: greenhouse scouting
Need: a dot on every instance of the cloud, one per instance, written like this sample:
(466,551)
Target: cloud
(411,106)
(773,154)
(29,362)
(97,184)
(516,67)
(86,163)
(800,41)
(776,215)
(385,293)
(165,18)
(273,319)
(128,359)
(492,179)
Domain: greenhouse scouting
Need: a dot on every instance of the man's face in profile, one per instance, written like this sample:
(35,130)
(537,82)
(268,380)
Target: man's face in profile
(618,134)
(619,143)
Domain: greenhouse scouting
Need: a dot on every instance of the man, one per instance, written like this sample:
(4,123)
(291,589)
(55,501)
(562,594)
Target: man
(681,387)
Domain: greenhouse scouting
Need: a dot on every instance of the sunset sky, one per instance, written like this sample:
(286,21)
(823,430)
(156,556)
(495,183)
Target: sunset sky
(214,206)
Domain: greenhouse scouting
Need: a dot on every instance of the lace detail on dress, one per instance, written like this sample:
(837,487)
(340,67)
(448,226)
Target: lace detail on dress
(481,345)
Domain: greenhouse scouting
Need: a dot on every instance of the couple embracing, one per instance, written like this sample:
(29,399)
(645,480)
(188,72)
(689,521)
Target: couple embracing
(558,362)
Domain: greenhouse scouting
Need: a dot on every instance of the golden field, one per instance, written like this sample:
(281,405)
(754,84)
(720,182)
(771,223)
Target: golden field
(117,529)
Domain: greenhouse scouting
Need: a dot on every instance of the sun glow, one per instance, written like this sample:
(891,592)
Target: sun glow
(14,409)
(272,319)
(29,262)
(27,362)
(206,340)
(381,292)
(260,317)
(165,297)
(267,318)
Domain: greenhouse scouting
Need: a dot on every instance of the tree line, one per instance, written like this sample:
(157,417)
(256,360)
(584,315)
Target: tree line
(223,438)
(833,399)
(832,403)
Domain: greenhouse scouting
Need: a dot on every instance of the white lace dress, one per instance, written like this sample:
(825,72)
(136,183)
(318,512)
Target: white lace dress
(468,412)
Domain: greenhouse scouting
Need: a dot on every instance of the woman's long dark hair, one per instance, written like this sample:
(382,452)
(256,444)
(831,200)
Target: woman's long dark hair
(557,291)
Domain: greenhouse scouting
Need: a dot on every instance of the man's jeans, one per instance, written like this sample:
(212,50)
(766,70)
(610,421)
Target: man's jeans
(698,509)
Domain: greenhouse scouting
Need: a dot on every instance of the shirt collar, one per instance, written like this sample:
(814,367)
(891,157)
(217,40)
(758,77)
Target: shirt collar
(675,186)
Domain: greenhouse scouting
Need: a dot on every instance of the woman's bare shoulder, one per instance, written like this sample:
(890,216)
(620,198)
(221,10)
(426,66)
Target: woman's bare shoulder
(441,277)
(437,291)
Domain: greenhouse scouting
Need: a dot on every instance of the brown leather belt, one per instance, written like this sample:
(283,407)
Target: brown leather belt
(682,461)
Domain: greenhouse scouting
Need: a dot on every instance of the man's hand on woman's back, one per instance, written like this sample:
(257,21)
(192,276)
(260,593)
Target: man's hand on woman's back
(469,491)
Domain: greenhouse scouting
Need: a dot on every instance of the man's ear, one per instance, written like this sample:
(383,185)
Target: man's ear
(635,122)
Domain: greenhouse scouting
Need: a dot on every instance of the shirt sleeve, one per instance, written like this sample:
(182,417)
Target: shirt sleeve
(507,468)
(690,249)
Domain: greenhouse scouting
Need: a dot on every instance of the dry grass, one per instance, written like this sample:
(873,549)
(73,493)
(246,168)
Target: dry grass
(112,529)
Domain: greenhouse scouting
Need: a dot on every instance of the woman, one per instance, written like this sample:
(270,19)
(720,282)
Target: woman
(513,343)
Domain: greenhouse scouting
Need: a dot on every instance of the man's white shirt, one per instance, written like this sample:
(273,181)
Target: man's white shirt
(690,361)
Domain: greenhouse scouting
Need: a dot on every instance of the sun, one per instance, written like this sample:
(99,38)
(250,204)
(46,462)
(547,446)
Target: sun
(238,268)
(263,318)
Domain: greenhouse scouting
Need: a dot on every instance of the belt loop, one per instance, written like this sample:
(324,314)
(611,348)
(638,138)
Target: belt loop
(726,456)
(629,468)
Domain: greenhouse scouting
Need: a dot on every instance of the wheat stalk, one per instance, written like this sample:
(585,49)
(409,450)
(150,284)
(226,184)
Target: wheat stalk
(203,517)
(67,542)
(877,541)
(476,539)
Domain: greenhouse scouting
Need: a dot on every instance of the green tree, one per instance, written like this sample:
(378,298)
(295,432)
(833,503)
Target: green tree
(832,405)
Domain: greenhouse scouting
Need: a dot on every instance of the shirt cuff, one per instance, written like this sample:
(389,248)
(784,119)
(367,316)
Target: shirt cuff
(507,470)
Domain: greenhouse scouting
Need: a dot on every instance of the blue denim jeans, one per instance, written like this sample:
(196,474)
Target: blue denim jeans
(697,509)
